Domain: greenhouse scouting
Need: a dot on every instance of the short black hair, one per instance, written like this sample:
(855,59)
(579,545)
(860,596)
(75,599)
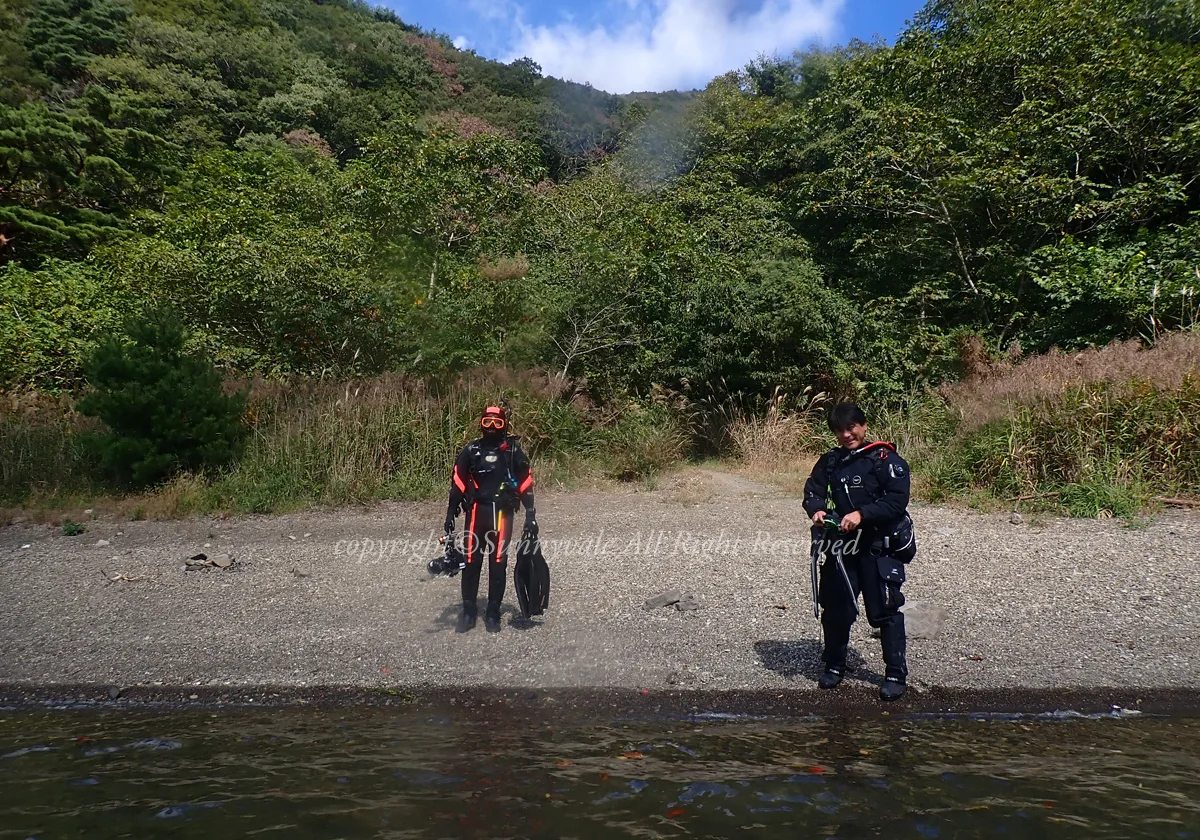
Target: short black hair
(844,415)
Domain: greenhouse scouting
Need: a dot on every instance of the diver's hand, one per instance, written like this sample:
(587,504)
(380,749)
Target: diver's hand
(819,518)
(531,526)
(448,525)
(851,521)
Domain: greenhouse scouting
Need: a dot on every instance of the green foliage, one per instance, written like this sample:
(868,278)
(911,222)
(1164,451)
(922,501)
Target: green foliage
(64,35)
(1102,497)
(322,190)
(76,153)
(260,249)
(441,194)
(1119,286)
(72,529)
(164,408)
(51,318)
(680,287)
(106,102)
(58,178)
(778,327)
(1061,154)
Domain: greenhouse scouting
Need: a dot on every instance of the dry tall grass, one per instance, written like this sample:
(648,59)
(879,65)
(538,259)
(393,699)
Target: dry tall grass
(779,441)
(1099,432)
(390,436)
(41,456)
(994,390)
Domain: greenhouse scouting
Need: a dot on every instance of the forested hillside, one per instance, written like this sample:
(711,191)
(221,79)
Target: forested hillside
(320,188)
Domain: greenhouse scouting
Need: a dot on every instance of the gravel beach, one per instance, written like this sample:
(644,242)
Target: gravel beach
(342,598)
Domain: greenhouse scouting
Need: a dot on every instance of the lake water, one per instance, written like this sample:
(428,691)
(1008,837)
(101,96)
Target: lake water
(417,773)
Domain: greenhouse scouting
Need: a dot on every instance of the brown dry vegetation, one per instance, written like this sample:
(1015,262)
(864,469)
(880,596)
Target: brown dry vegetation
(1107,428)
(1101,432)
(993,389)
(504,268)
(1098,433)
(467,126)
(777,440)
(303,138)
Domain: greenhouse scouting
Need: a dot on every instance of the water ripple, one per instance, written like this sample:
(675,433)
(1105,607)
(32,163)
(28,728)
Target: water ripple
(368,773)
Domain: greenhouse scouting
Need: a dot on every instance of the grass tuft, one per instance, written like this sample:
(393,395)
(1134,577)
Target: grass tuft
(643,443)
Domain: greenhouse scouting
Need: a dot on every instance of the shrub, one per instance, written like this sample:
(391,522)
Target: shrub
(392,436)
(164,408)
(325,442)
(643,443)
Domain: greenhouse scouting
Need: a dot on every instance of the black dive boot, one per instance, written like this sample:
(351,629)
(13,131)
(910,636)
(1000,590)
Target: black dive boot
(491,620)
(892,689)
(496,582)
(466,621)
(832,677)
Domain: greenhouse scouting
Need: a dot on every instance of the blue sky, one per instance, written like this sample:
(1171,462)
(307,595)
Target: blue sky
(624,45)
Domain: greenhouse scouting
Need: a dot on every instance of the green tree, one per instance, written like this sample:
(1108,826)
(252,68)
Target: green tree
(443,195)
(681,286)
(1060,124)
(260,254)
(1061,155)
(64,35)
(164,408)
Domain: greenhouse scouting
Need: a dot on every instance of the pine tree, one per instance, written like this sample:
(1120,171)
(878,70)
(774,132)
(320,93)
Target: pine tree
(55,175)
(164,407)
(63,35)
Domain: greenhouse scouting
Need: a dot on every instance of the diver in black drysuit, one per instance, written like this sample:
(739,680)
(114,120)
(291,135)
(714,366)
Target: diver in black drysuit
(869,487)
(491,477)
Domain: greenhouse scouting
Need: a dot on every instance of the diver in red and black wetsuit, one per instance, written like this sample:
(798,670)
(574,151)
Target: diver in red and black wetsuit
(491,478)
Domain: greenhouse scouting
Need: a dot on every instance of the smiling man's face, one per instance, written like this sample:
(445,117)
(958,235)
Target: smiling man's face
(854,436)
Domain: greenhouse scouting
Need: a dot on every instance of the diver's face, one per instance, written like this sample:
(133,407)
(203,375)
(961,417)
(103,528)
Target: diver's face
(853,437)
(492,429)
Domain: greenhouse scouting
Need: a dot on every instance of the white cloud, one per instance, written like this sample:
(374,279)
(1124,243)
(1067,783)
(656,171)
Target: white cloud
(665,44)
(461,43)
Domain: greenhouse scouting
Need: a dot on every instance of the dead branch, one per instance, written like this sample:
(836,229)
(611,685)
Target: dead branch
(1170,500)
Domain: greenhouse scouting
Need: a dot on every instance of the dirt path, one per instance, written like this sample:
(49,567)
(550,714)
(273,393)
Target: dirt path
(341,597)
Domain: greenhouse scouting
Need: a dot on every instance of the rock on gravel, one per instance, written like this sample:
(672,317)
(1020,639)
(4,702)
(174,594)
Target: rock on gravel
(664,599)
(923,620)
